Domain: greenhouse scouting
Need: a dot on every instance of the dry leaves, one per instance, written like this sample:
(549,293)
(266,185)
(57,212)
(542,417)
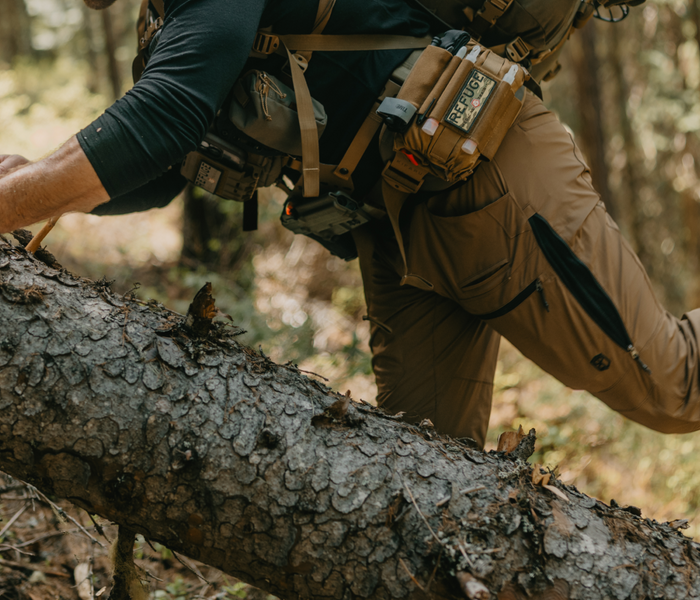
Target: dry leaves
(509,440)
(542,477)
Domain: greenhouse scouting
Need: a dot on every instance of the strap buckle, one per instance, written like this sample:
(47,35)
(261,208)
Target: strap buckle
(517,50)
(492,10)
(403,175)
(266,43)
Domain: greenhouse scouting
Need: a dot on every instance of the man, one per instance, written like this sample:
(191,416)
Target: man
(523,249)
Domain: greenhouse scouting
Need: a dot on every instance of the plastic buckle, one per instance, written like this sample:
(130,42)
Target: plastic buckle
(517,50)
(403,175)
(266,43)
(494,9)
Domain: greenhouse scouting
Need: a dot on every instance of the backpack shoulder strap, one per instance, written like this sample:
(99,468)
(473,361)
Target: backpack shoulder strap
(160,8)
(323,15)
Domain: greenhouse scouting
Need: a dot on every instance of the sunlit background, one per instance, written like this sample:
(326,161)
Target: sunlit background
(628,92)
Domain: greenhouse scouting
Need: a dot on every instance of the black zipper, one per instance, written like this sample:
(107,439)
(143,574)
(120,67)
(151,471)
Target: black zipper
(535,286)
(584,287)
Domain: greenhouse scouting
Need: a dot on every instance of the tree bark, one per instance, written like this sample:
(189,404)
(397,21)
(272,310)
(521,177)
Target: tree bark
(15,33)
(590,107)
(211,236)
(115,76)
(216,452)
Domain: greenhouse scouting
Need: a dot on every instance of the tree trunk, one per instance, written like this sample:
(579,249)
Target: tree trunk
(216,452)
(15,34)
(631,176)
(590,107)
(115,76)
(93,82)
(212,232)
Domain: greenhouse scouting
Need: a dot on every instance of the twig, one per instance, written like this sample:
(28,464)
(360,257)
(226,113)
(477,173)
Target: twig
(34,244)
(472,490)
(191,567)
(294,368)
(6,547)
(464,554)
(98,528)
(432,576)
(443,501)
(151,575)
(410,495)
(314,374)
(11,522)
(63,514)
(413,579)
(45,536)
(33,567)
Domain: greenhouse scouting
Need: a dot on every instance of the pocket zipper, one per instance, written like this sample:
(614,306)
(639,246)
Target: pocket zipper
(535,286)
(540,288)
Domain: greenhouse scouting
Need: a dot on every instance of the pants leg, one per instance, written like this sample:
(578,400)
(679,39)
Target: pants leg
(527,247)
(431,358)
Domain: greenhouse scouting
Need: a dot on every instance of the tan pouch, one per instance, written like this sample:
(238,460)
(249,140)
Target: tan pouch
(464,115)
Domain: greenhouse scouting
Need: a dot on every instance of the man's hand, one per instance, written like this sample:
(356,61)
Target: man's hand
(62,182)
(8,162)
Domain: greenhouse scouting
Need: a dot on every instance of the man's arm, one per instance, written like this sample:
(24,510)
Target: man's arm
(64,181)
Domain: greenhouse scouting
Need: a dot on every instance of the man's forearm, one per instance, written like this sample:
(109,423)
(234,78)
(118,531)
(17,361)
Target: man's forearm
(62,182)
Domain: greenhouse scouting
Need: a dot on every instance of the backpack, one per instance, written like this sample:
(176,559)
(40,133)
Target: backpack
(518,36)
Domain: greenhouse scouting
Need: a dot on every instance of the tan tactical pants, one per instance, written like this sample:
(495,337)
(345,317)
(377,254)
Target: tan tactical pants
(525,250)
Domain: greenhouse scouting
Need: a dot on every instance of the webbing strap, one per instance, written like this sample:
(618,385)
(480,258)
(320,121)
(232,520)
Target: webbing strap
(364,135)
(355,42)
(160,8)
(393,201)
(310,154)
(325,8)
(323,15)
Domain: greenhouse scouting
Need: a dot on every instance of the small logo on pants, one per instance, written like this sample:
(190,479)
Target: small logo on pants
(601,362)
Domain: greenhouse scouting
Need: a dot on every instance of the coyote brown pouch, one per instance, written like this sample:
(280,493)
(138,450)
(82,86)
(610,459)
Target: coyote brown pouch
(465,107)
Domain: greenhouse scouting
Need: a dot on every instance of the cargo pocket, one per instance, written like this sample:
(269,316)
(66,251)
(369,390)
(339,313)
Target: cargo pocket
(476,259)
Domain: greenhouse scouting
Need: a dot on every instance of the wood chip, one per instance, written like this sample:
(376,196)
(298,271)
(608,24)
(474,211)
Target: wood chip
(557,492)
(472,587)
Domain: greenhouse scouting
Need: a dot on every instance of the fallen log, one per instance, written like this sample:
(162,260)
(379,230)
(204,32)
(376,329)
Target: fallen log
(216,452)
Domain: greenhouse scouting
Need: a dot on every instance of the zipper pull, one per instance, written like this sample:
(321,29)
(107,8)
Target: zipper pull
(540,288)
(635,355)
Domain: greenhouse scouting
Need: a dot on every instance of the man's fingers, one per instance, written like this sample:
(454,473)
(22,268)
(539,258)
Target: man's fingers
(8,162)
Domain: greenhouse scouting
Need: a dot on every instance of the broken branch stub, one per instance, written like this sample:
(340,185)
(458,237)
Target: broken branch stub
(201,312)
